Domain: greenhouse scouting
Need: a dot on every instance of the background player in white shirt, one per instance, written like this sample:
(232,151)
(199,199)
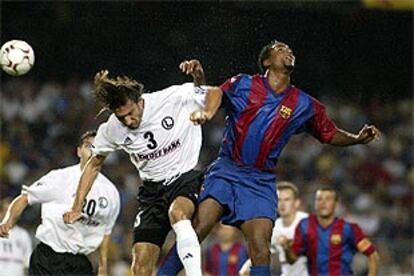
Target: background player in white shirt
(14,251)
(285,225)
(63,248)
(164,145)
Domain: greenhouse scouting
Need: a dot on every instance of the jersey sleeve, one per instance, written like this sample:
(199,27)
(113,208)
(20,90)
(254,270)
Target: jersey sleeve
(299,244)
(103,145)
(186,93)
(320,125)
(43,190)
(196,95)
(360,241)
(114,214)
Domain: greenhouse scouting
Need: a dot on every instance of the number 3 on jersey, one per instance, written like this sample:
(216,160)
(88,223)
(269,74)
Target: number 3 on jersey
(150,137)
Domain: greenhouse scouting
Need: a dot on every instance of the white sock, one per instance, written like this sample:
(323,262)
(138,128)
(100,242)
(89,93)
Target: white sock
(188,248)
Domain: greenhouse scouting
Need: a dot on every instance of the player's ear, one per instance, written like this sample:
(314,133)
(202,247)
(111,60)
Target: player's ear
(78,152)
(297,203)
(266,63)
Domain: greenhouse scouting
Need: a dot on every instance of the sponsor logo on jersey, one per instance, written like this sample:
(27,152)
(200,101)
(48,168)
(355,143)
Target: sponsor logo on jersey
(159,153)
(336,239)
(200,90)
(128,141)
(167,122)
(285,112)
(88,221)
(103,202)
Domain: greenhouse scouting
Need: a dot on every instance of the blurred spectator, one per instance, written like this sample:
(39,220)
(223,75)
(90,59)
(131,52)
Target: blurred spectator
(226,255)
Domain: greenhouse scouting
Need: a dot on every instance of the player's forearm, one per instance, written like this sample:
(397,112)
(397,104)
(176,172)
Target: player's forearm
(89,173)
(213,101)
(15,210)
(344,138)
(373,264)
(291,257)
(199,78)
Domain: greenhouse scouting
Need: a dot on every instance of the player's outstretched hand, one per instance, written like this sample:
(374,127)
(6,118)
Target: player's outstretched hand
(367,134)
(199,117)
(4,230)
(71,216)
(191,67)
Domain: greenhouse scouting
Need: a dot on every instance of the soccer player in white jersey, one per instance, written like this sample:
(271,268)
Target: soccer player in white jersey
(285,225)
(156,131)
(63,248)
(14,251)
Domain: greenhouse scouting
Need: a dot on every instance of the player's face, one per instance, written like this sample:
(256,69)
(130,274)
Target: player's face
(84,151)
(281,57)
(130,114)
(287,203)
(325,203)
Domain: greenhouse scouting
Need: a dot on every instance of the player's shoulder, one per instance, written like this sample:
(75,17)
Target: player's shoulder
(64,171)
(172,91)
(278,223)
(243,77)
(112,130)
(301,215)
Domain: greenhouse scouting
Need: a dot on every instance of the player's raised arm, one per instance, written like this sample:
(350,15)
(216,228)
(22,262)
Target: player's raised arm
(13,214)
(195,69)
(89,173)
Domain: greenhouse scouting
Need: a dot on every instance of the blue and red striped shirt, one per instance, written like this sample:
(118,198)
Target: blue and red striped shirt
(329,250)
(260,122)
(225,263)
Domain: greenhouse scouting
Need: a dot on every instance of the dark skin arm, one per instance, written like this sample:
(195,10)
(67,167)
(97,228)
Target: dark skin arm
(343,138)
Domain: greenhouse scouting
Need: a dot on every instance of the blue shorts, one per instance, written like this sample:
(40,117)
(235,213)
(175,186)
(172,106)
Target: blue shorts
(245,193)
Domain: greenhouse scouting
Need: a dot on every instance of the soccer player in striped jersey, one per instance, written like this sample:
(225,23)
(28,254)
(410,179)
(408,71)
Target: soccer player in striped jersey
(263,112)
(63,248)
(226,255)
(329,242)
(164,145)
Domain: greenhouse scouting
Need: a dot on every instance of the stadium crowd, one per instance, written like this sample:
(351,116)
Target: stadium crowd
(40,124)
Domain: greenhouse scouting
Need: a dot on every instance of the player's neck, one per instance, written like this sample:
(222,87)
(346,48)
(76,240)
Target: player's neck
(82,165)
(278,80)
(288,219)
(325,221)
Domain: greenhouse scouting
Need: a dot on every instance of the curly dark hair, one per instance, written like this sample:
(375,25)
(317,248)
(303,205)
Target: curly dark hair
(113,93)
(265,54)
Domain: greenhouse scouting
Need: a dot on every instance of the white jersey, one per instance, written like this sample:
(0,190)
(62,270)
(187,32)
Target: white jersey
(56,192)
(166,144)
(299,268)
(15,252)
